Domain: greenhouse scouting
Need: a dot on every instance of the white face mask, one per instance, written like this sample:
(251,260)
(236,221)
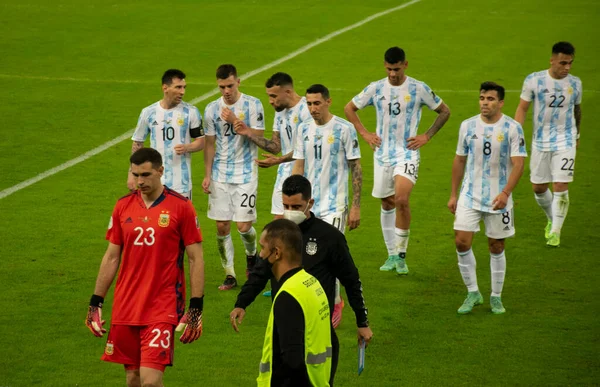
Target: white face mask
(295,216)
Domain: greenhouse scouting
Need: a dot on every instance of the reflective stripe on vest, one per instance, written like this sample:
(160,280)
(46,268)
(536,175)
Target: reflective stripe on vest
(318,358)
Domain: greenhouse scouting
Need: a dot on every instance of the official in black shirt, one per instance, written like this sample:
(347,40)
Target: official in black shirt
(325,255)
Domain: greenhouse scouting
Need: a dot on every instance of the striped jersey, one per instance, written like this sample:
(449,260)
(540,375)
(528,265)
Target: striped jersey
(554,125)
(234,155)
(167,128)
(286,123)
(326,151)
(398,110)
(489,148)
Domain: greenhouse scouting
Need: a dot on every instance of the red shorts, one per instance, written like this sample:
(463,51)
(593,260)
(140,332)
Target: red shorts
(141,346)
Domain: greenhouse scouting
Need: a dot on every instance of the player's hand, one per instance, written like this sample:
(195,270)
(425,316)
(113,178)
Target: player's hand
(452,204)
(206,185)
(94,316)
(354,218)
(500,201)
(180,149)
(236,317)
(241,128)
(414,143)
(191,322)
(268,161)
(131,184)
(227,115)
(365,334)
(372,139)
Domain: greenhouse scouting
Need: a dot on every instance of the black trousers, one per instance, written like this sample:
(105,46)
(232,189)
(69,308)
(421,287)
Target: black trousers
(335,355)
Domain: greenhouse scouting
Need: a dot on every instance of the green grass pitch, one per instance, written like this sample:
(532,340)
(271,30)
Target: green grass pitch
(75,75)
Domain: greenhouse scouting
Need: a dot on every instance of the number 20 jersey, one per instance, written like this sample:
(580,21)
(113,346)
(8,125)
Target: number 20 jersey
(150,285)
(234,154)
(553,112)
(488,148)
(398,111)
(167,128)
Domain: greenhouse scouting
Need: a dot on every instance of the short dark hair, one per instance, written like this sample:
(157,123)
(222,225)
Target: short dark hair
(170,74)
(394,55)
(288,233)
(297,184)
(279,79)
(144,155)
(318,89)
(563,48)
(224,71)
(487,86)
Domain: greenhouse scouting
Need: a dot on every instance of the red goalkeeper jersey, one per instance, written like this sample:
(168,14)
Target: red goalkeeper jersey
(151,285)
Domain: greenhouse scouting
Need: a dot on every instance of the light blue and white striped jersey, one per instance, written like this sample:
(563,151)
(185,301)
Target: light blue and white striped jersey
(489,148)
(286,123)
(398,110)
(234,155)
(554,125)
(167,128)
(326,151)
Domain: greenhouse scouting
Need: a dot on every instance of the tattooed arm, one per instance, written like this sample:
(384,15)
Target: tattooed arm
(356,170)
(414,143)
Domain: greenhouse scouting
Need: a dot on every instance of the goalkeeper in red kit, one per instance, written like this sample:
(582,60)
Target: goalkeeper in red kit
(148,233)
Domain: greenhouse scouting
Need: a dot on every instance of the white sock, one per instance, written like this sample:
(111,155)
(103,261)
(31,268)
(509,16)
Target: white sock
(338,297)
(388,220)
(249,239)
(467,267)
(545,201)
(402,241)
(498,267)
(225,246)
(560,207)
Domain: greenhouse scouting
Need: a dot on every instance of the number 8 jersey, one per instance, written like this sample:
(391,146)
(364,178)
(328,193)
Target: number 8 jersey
(167,128)
(553,114)
(488,148)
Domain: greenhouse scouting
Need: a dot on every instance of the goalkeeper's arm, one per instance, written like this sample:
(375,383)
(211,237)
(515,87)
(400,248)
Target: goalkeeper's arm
(106,275)
(192,320)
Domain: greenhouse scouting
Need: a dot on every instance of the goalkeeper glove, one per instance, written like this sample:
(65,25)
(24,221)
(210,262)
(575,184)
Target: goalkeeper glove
(94,316)
(191,322)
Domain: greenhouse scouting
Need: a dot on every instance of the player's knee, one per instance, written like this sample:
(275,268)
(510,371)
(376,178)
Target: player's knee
(133,379)
(223,228)
(244,226)
(402,203)
(496,246)
(388,203)
(560,187)
(462,244)
(540,188)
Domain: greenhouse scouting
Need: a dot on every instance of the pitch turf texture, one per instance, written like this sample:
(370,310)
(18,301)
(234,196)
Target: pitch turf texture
(75,75)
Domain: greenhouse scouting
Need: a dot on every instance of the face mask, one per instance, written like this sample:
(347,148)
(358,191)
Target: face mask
(295,216)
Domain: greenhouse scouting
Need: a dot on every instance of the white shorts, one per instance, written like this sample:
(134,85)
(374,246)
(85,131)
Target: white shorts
(383,177)
(552,167)
(235,202)
(337,220)
(277,201)
(497,226)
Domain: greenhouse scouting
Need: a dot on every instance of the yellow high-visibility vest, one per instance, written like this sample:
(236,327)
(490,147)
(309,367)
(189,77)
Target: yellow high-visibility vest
(307,290)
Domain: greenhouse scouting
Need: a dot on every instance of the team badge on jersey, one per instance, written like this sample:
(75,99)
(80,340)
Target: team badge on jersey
(110,348)
(311,248)
(180,120)
(407,98)
(197,223)
(330,139)
(296,119)
(570,90)
(241,116)
(163,220)
(110,223)
(500,137)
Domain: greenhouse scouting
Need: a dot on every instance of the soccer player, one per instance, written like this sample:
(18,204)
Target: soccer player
(290,112)
(325,151)
(491,151)
(556,125)
(175,129)
(147,233)
(398,101)
(231,176)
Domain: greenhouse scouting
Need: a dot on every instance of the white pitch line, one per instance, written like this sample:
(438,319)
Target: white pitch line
(215,91)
